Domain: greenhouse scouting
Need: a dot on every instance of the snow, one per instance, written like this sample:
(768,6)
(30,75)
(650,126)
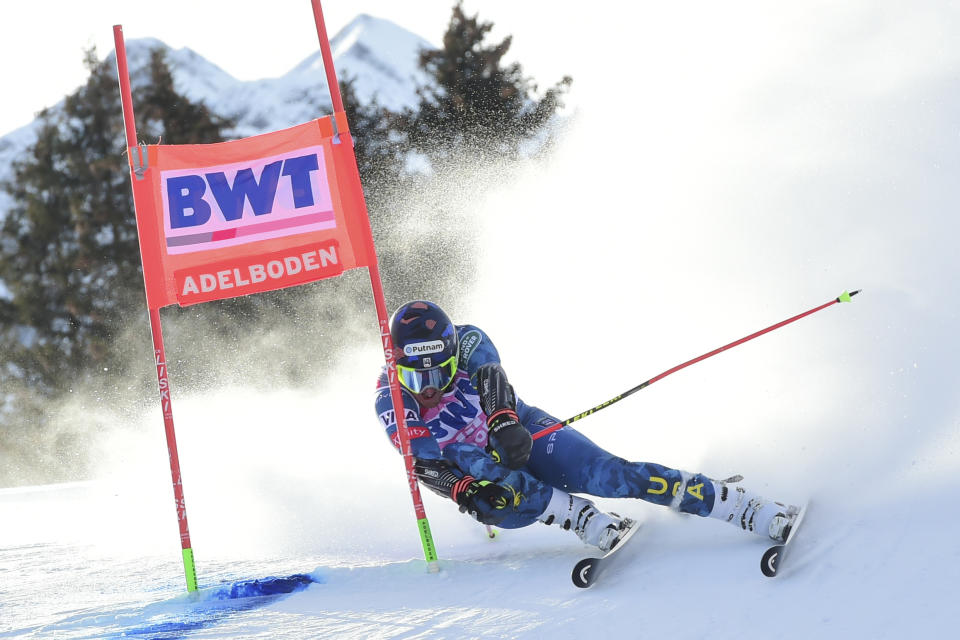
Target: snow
(12,146)
(89,561)
(382,58)
(771,165)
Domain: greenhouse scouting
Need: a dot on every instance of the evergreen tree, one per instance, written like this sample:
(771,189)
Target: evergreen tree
(477,105)
(69,252)
(162,110)
(70,259)
(376,143)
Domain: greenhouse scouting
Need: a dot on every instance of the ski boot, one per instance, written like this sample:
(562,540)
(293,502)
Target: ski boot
(592,526)
(751,512)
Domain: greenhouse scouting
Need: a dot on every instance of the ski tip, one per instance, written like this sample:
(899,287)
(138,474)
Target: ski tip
(845,296)
(770,562)
(583,573)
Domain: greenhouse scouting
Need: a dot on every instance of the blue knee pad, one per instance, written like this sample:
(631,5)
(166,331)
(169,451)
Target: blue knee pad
(530,495)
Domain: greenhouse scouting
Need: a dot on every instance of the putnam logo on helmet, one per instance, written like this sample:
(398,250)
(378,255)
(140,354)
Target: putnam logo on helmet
(423,348)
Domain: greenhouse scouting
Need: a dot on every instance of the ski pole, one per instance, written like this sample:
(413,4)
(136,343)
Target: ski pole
(843,297)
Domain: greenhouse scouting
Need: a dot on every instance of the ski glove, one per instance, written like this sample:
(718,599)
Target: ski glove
(438,475)
(479,497)
(508,442)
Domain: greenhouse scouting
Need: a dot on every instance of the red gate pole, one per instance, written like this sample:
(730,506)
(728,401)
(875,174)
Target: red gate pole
(423,525)
(328,69)
(160,359)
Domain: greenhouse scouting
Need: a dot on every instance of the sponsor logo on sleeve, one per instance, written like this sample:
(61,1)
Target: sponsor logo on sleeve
(468,343)
(415,432)
(388,417)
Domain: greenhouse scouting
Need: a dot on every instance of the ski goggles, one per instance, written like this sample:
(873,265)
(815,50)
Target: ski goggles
(439,377)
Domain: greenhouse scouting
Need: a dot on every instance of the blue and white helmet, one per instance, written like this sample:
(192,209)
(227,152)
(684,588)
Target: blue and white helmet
(426,344)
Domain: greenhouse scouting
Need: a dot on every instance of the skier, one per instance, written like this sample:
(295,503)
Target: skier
(470,436)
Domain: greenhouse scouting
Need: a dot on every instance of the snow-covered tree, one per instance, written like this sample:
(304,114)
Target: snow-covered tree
(476,103)
(69,253)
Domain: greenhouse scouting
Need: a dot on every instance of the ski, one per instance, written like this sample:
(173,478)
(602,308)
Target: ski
(586,572)
(773,557)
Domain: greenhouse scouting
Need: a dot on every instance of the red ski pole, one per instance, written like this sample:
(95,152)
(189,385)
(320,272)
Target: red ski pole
(844,297)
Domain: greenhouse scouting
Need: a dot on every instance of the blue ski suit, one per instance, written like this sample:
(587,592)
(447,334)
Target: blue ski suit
(456,431)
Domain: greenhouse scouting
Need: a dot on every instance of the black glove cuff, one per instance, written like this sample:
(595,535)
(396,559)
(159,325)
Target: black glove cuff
(509,441)
(437,475)
(502,419)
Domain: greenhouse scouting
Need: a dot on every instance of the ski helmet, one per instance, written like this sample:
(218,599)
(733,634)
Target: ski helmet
(427,346)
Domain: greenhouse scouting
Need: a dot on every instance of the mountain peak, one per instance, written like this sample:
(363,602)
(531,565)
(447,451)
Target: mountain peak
(381,58)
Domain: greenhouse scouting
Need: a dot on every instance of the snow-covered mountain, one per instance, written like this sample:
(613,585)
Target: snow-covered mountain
(379,55)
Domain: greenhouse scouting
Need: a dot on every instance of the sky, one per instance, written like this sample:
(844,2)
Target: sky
(50,37)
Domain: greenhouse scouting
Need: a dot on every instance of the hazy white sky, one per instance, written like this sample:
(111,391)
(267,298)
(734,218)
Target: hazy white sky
(41,42)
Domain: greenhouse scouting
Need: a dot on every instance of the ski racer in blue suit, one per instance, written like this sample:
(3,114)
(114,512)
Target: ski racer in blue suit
(471,438)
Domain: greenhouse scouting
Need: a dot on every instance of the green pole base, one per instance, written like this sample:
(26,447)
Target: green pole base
(189,569)
(429,549)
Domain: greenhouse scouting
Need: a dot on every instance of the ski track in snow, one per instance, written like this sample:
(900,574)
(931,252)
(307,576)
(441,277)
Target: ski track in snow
(868,576)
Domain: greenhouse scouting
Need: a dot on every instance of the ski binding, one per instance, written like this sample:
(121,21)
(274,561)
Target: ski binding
(773,557)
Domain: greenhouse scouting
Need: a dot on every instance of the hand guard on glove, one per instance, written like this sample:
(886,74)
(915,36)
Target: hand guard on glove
(509,442)
(476,496)
(481,498)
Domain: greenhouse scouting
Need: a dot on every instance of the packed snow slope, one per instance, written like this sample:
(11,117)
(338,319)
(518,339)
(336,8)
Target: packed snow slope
(727,169)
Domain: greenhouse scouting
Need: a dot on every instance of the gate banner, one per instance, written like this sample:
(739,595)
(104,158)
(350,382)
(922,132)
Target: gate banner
(230,219)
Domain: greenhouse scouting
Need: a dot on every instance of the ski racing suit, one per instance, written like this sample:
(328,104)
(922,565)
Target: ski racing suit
(456,431)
